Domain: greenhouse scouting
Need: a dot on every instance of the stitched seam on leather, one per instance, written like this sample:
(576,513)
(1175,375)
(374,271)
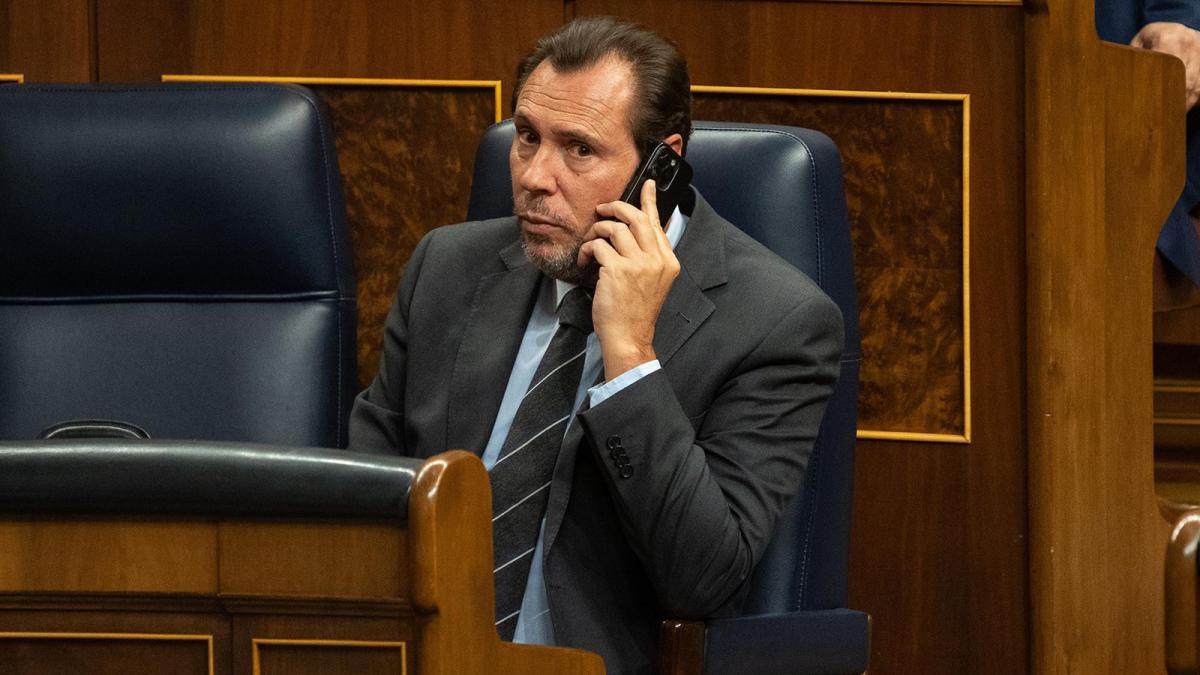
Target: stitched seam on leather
(810,503)
(337,270)
(816,202)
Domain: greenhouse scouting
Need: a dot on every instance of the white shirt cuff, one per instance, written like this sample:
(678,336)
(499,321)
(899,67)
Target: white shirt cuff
(601,392)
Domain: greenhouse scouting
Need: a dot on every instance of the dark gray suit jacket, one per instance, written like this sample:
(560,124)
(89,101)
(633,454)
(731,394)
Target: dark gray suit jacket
(718,439)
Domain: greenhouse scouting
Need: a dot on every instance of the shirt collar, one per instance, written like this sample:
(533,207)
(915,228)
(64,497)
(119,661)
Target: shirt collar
(675,227)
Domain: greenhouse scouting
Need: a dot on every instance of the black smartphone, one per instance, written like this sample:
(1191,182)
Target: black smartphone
(671,174)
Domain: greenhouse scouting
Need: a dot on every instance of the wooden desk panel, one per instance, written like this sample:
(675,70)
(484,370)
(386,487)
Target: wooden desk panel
(313,559)
(108,556)
(322,597)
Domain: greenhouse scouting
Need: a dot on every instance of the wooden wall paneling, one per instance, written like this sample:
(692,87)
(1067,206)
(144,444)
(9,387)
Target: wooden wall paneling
(47,40)
(1096,538)
(139,40)
(419,39)
(938,549)
(1016,3)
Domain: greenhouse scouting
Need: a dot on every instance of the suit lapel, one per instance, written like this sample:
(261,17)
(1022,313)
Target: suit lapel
(701,256)
(491,337)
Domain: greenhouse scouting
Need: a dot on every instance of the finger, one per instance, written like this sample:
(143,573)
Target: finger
(655,235)
(622,211)
(643,231)
(585,256)
(650,202)
(643,222)
(618,235)
(602,252)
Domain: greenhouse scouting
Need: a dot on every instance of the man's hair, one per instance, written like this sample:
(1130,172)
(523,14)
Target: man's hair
(662,101)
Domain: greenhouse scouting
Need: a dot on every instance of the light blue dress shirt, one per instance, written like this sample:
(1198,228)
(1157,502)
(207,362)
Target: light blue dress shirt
(533,624)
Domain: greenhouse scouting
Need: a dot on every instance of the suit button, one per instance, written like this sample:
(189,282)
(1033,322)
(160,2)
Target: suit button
(615,454)
(626,471)
(613,442)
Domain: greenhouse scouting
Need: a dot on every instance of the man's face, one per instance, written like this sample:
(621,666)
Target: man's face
(574,150)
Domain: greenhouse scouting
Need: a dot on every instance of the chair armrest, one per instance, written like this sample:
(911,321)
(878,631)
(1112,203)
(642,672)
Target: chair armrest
(1180,588)
(799,643)
(201,478)
(681,647)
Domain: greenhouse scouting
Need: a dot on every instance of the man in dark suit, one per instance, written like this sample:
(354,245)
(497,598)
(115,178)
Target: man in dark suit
(697,364)
(1171,27)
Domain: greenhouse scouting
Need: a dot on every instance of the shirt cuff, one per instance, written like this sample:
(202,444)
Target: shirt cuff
(605,390)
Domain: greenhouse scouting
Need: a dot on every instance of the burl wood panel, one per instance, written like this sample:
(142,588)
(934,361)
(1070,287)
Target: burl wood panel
(46,40)
(903,163)
(406,156)
(52,656)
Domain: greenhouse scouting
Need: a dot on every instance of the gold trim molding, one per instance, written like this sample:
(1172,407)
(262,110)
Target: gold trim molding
(157,637)
(1177,421)
(494,85)
(1001,3)
(12,77)
(256,658)
(1176,387)
(965,100)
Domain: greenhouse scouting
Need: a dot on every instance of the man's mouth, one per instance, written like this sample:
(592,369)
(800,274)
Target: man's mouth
(537,224)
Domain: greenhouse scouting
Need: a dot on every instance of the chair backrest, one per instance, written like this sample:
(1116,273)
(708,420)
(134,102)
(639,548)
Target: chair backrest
(174,256)
(783,186)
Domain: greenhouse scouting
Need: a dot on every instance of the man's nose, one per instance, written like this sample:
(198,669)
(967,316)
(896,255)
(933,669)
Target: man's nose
(540,172)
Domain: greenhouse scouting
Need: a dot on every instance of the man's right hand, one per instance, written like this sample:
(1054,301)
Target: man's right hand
(1179,41)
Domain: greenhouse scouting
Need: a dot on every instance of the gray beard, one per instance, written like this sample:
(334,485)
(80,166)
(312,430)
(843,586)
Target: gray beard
(561,263)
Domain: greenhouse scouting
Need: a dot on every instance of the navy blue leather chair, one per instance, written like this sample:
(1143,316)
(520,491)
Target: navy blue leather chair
(783,186)
(176,257)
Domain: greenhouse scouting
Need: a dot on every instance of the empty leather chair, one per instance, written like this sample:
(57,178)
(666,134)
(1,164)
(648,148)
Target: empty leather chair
(174,256)
(783,186)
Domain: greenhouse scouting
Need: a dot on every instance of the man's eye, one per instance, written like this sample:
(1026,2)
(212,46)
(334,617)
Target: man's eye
(582,150)
(528,137)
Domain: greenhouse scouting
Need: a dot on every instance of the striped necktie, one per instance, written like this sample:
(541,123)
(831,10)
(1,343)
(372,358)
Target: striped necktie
(523,469)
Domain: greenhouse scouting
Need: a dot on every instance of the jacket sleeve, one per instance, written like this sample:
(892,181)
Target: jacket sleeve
(1186,12)
(377,418)
(699,506)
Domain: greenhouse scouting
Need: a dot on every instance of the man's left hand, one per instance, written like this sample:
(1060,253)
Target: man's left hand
(1179,41)
(637,268)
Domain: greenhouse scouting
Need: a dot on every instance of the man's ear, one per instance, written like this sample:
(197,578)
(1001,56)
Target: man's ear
(676,143)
